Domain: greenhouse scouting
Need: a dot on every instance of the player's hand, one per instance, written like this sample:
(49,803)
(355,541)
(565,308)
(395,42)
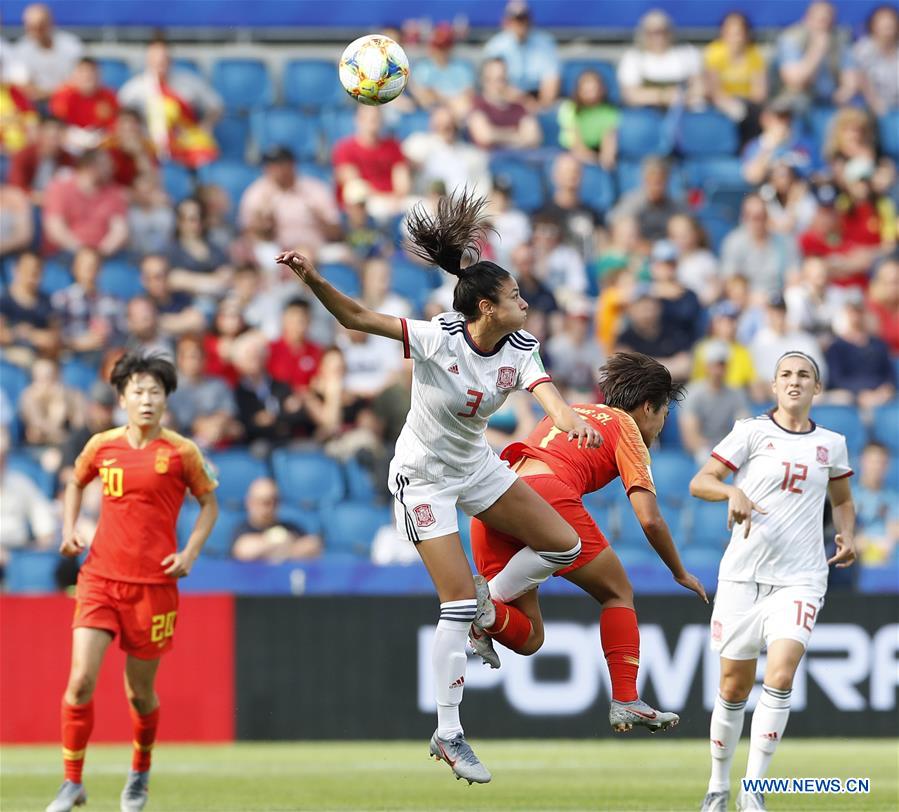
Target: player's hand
(586,436)
(301,265)
(739,510)
(691,582)
(71,546)
(845,555)
(177,565)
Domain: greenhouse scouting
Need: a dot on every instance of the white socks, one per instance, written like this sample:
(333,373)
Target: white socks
(724,733)
(448,658)
(769,720)
(527,569)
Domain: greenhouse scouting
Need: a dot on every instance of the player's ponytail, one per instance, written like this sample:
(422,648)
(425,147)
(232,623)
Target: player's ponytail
(450,238)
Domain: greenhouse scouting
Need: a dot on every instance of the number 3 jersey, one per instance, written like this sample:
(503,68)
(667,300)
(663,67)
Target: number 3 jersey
(143,489)
(455,388)
(785,473)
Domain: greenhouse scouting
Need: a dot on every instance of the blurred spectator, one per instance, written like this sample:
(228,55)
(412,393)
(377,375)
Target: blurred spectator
(681,310)
(441,79)
(261,300)
(651,203)
(739,372)
(198,266)
(859,361)
(867,218)
(736,74)
(144,332)
(538,296)
(877,57)
(378,160)
(33,167)
(883,302)
(497,119)
(588,123)
(559,265)
(27,324)
(328,409)
(777,143)
(851,136)
(177,313)
(753,250)
(17,222)
(623,249)
(48,408)
(202,406)
(363,235)
(697,267)
(130,148)
(178,106)
(258,246)
(47,54)
(565,207)
(293,359)
(89,320)
(369,369)
(813,304)
(876,506)
(85,106)
(656,72)
(217,207)
(776,338)
(711,406)
(376,292)
(618,288)
(814,61)
(647,333)
(86,208)
(791,204)
(18,116)
(574,356)
(305,211)
(151,219)
(750,311)
(530,55)
(511,226)
(441,155)
(99,416)
(218,344)
(264,537)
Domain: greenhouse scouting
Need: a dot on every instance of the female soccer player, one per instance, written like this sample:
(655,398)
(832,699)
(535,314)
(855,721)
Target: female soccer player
(466,363)
(773,576)
(637,392)
(128,585)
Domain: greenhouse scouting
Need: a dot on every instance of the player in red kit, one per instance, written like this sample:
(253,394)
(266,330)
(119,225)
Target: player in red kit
(128,584)
(637,392)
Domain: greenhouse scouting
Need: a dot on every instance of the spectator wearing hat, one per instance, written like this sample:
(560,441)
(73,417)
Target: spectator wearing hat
(441,79)
(867,218)
(46,54)
(304,208)
(534,69)
(774,339)
(681,310)
(497,119)
(877,57)
(739,371)
(650,203)
(711,406)
(646,332)
(778,142)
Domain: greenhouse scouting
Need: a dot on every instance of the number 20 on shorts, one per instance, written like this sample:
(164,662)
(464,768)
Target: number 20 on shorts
(162,627)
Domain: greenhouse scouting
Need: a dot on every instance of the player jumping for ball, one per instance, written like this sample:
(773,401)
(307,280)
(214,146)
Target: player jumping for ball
(637,392)
(773,575)
(466,363)
(128,584)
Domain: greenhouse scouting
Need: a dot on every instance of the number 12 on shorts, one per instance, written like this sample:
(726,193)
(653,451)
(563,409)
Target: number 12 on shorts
(162,627)
(805,614)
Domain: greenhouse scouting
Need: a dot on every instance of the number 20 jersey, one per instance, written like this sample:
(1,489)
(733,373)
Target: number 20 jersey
(786,474)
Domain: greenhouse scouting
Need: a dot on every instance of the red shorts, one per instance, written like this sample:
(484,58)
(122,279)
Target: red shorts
(143,615)
(492,549)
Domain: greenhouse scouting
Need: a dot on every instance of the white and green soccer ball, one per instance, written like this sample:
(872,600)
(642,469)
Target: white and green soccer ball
(374,69)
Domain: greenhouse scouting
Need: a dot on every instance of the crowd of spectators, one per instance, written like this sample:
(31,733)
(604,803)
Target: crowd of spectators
(794,249)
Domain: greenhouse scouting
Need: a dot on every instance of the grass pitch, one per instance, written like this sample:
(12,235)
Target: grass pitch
(635,773)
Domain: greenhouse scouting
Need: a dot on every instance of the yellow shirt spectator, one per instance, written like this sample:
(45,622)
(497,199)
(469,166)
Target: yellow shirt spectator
(740,370)
(737,76)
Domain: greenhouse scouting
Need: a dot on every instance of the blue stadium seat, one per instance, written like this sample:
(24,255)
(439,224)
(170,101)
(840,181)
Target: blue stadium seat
(628,530)
(641,133)
(717,225)
(526,181)
(31,571)
(817,124)
(244,84)
(702,557)
(597,189)
(411,281)
(350,527)
(717,171)
(670,436)
(222,535)
(307,520)
(842,419)
(186,64)
(892,478)
(307,478)
(312,84)
(120,278)
(79,375)
(13,380)
(285,127)
(627,175)
(177,181)
(56,276)
(26,464)
(572,68)
(236,469)
(232,132)
(888,126)
(113,72)
(323,173)
(637,556)
(706,134)
(549,126)
(705,524)
(343,277)
(232,176)
(417,121)
(672,471)
(359,482)
(337,124)
(886,425)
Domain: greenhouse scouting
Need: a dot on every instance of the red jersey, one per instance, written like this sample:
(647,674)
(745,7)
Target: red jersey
(622,453)
(295,367)
(97,112)
(143,489)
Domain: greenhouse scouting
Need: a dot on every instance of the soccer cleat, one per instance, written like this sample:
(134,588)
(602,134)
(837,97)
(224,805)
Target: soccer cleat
(625,715)
(70,795)
(458,754)
(715,802)
(747,801)
(486,614)
(136,793)
(482,645)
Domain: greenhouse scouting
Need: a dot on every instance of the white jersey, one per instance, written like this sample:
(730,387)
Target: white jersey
(455,388)
(786,473)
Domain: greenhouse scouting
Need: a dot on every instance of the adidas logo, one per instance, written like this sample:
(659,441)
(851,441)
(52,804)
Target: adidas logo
(769,447)
(459,683)
(454,369)
(718,743)
(771,737)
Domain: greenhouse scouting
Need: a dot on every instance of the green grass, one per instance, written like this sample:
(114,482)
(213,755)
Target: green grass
(636,773)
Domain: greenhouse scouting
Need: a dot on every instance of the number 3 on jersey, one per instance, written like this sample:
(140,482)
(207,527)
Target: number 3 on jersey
(113,481)
(472,404)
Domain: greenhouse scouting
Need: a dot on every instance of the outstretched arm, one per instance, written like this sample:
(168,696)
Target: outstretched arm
(347,311)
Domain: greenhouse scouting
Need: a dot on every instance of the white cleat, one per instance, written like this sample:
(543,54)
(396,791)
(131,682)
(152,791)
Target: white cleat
(482,644)
(715,802)
(458,754)
(69,796)
(136,793)
(486,614)
(751,802)
(623,716)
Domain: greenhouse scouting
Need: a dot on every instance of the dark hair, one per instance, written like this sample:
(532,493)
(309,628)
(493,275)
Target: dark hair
(877,446)
(135,363)
(747,25)
(447,237)
(88,60)
(869,22)
(575,93)
(630,379)
(178,214)
(89,158)
(297,302)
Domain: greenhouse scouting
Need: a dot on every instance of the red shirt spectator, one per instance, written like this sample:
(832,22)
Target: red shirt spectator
(292,358)
(228,324)
(82,102)
(132,152)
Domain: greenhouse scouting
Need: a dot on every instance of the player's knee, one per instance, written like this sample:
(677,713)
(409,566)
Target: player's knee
(141,698)
(733,690)
(780,679)
(534,642)
(80,688)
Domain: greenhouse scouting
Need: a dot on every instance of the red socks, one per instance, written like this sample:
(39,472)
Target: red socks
(77,724)
(621,644)
(144,737)
(512,627)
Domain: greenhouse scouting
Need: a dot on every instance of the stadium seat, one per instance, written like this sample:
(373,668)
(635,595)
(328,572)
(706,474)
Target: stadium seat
(343,277)
(411,281)
(886,425)
(337,124)
(307,520)
(637,556)
(889,133)
(526,180)
(113,72)
(715,171)
(417,121)
(236,469)
(670,436)
(186,64)
(26,464)
(350,527)
(232,176)
(717,226)
(672,471)
(706,134)
(307,478)
(641,132)
(705,524)
(817,124)
(572,68)
(31,571)
(78,375)
(628,177)
(120,278)
(359,482)
(842,419)
(177,181)
(222,535)
(549,126)
(285,127)
(13,380)
(56,276)
(244,84)
(892,478)
(311,84)
(597,189)
(702,557)
(628,530)
(232,132)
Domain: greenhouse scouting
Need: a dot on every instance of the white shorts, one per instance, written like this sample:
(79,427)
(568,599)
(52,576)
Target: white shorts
(748,617)
(426,510)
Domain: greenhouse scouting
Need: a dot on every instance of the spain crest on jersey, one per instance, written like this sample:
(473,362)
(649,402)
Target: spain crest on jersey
(505,378)
(161,466)
(822,455)
(424,516)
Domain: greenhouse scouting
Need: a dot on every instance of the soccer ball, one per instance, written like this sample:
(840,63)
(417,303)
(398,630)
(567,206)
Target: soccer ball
(374,69)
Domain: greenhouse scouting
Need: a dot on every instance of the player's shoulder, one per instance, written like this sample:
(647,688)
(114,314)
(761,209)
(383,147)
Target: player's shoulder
(759,424)
(178,442)
(104,439)
(824,434)
(522,341)
(450,322)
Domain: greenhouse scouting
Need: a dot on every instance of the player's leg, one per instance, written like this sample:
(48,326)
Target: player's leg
(140,690)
